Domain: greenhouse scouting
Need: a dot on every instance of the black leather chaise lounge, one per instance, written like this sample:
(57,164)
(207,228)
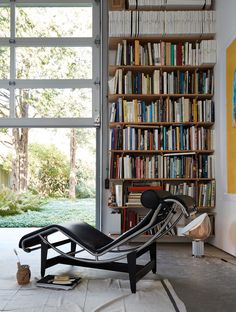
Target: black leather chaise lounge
(88,247)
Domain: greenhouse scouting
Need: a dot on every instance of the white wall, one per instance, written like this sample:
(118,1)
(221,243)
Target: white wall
(225,237)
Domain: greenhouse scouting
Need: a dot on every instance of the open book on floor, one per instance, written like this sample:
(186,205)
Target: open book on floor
(58,282)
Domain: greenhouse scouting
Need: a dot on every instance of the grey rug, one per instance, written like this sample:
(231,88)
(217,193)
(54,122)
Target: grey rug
(92,295)
(99,291)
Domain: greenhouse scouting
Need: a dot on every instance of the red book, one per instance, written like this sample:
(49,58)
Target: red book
(179,54)
(144,188)
(132,216)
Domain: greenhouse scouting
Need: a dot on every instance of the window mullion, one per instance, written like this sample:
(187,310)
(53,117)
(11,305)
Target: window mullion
(96,65)
(47,122)
(55,42)
(12,58)
(54,83)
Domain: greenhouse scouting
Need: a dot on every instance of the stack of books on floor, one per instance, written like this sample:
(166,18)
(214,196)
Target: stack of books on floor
(64,282)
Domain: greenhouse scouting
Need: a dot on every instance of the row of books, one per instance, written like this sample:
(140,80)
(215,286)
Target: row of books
(161,82)
(205,82)
(178,82)
(181,189)
(168,4)
(130,218)
(206,194)
(162,110)
(189,167)
(148,23)
(158,166)
(143,4)
(166,53)
(162,138)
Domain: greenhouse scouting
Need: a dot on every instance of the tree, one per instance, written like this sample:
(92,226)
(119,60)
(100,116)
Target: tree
(80,138)
(73,148)
(40,63)
(49,170)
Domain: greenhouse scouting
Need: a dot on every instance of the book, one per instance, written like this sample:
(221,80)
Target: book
(58,282)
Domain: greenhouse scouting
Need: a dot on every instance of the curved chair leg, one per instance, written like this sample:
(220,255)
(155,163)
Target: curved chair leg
(44,254)
(131,258)
(153,256)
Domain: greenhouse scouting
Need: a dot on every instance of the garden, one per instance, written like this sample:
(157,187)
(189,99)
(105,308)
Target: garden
(55,211)
(51,195)
(47,175)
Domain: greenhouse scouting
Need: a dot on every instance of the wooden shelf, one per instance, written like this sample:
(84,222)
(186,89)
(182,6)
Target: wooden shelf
(126,207)
(161,123)
(204,208)
(149,68)
(113,41)
(161,151)
(201,209)
(151,97)
(162,179)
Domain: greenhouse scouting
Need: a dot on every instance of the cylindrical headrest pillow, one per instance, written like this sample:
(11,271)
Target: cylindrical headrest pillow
(151,198)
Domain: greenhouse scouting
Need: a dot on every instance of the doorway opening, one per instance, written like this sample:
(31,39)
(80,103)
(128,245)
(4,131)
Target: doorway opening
(47,176)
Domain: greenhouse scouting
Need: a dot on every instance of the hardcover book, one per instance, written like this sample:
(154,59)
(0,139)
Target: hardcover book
(58,282)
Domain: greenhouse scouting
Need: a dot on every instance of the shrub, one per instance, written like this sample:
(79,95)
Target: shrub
(49,171)
(85,187)
(12,203)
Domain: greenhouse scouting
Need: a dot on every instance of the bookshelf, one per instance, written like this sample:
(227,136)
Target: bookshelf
(161,111)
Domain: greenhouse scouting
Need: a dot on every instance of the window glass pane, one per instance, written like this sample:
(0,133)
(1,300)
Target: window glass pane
(44,169)
(4,103)
(4,63)
(57,22)
(54,103)
(54,63)
(4,22)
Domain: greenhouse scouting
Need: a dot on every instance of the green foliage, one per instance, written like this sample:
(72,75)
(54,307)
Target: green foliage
(55,211)
(49,171)
(12,203)
(85,187)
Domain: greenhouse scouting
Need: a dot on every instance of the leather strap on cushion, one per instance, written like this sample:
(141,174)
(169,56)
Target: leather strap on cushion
(188,202)
(151,198)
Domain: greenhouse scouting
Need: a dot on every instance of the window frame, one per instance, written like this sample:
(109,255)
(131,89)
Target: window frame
(12,84)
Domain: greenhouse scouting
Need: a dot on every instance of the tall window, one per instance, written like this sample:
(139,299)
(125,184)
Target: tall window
(49,63)
(49,78)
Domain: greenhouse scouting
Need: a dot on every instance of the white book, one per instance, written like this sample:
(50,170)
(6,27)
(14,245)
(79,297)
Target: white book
(118,54)
(156,81)
(185,4)
(112,84)
(165,83)
(112,112)
(120,81)
(150,53)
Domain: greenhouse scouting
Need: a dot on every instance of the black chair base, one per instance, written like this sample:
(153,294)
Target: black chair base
(135,271)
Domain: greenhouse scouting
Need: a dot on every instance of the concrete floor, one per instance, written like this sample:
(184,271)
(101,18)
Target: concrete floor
(204,284)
